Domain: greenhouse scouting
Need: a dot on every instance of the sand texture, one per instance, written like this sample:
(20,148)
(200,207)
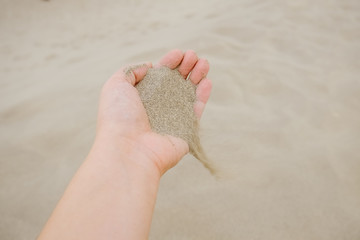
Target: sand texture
(169,102)
(282,120)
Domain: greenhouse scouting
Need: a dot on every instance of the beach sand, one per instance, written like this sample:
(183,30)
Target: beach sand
(169,101)
(282,121)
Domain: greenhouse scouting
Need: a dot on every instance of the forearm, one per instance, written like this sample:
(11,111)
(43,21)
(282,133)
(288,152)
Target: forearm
(112,196)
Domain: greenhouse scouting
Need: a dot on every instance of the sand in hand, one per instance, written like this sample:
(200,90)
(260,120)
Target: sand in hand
(169,102)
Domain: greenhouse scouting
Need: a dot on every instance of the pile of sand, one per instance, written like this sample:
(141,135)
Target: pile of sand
(169,102)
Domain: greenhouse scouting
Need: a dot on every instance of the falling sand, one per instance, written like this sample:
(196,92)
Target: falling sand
(169,102)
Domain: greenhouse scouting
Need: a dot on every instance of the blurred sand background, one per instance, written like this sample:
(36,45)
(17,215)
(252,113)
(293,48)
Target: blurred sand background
(283,119)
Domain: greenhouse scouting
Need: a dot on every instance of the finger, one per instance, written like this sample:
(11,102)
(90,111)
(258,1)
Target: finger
(188,63)
(203,91)
(172,59)
(200,71)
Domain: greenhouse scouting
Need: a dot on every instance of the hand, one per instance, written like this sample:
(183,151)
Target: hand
(112,195)
(122,119)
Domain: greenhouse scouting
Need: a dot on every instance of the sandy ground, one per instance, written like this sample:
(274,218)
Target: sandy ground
(283,119)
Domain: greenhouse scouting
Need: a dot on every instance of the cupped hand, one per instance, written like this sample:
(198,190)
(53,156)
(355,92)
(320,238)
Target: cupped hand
(122,119)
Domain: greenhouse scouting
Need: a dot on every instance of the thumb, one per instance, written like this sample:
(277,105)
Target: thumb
(132,74)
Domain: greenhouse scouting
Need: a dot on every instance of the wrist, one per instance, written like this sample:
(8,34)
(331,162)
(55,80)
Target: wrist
(128,152)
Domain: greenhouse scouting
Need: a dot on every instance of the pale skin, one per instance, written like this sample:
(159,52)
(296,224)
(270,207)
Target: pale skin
(113,194)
